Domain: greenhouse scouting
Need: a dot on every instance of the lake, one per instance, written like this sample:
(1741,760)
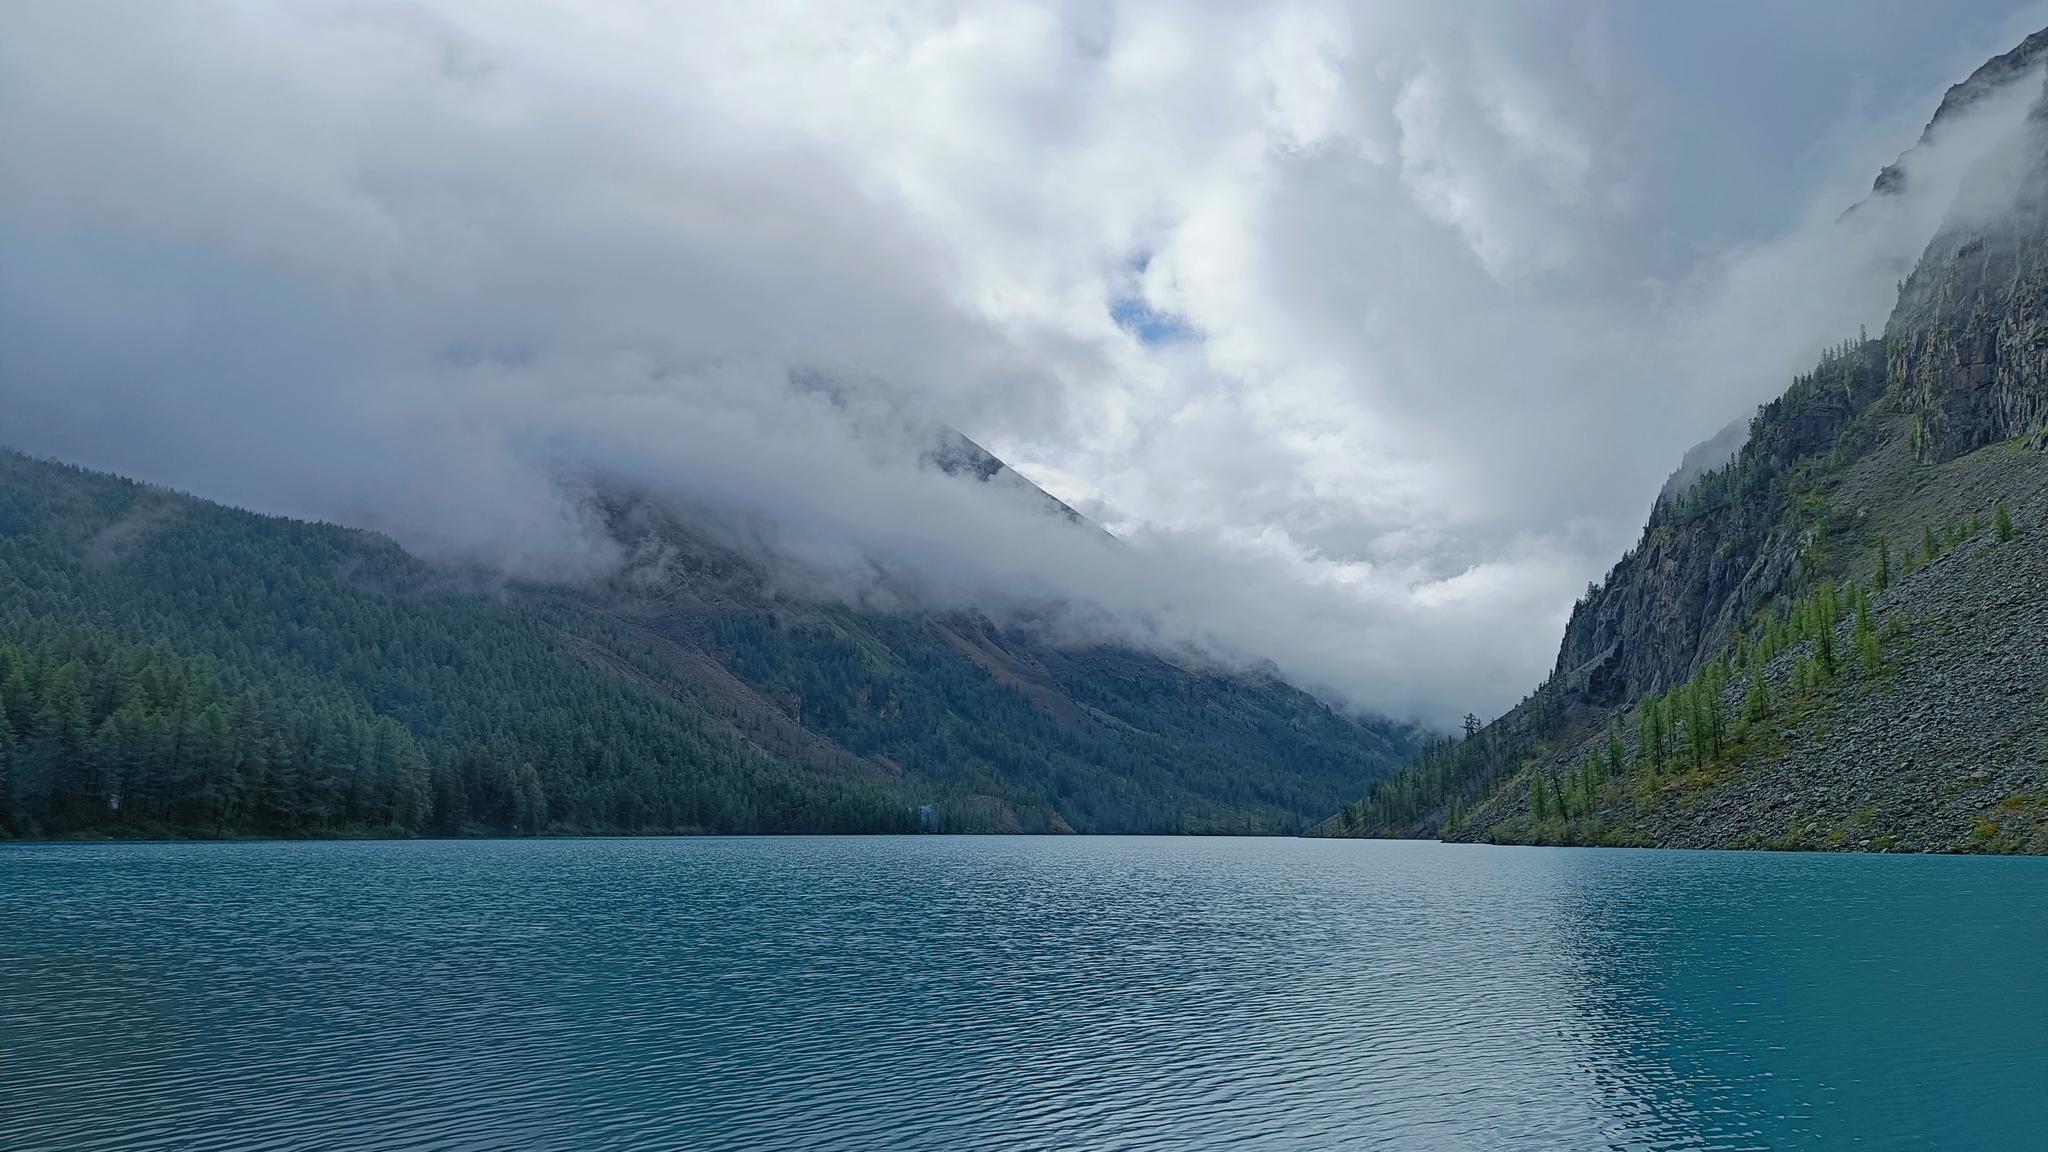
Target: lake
(1011,993)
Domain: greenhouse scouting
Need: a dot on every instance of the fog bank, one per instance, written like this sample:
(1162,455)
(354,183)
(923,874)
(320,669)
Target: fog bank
(1369,331)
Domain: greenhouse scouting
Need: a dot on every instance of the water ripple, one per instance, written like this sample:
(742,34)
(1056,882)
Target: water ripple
(953,993)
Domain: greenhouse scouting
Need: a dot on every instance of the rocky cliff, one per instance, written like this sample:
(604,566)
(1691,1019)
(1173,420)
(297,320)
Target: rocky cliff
(1832,641)
(1967,346)
(1991,77)
(1717,552)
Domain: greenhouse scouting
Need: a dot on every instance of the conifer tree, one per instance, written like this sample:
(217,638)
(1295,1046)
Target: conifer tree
(1649,735)
(1867,649)
(1713,721)
(1667,725)
(1757,704)
(2001,522)
(1884,564)
(1824,651)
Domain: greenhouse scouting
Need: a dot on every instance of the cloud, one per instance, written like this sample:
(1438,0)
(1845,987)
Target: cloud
(1358,325)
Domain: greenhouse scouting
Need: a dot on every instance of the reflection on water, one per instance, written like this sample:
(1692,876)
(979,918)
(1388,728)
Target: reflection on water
(946,993)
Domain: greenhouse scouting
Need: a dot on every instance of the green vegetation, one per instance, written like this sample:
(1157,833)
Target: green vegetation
(1150,748)
(1448,774)
(1757,704)
(173,667)
(193,669)
(1933,543)
(1685,731)
(1754,477)
(1868,652)
(100,729)
(1685,726)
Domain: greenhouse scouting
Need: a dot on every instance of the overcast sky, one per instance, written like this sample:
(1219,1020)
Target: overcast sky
(1371,329)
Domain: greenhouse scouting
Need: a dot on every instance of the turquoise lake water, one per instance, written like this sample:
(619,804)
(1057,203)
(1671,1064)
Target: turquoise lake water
(999,993)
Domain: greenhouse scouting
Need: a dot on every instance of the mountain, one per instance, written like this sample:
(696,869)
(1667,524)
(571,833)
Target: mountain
(1992,76)
(1707,456)
(169,666)
(1831,641)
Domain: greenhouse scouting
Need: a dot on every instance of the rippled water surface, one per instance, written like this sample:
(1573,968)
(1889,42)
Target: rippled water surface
(957,993)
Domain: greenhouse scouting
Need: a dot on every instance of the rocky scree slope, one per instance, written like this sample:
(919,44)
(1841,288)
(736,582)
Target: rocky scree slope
(1832,642)
(1936,743)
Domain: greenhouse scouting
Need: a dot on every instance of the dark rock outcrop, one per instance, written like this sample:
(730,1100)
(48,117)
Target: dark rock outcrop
(1991,77)
(1925,446)
(1719,550)
(1967,346)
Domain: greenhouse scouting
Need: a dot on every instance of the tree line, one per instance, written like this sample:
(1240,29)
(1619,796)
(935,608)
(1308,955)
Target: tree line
(190,669)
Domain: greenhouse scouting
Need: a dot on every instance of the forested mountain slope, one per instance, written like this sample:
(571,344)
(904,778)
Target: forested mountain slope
(1001,729)
(175,665)
(170,666)
(1833,641)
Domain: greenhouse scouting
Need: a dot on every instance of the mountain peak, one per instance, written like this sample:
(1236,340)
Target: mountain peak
(1991,77)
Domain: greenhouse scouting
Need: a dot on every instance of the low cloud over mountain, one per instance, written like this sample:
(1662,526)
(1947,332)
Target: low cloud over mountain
(1369,332)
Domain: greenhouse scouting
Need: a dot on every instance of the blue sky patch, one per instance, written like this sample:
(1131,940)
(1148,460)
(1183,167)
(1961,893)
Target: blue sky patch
(1134,314)
(1150,326)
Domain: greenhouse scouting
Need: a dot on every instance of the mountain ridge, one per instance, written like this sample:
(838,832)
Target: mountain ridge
(170,666)
(1817,645)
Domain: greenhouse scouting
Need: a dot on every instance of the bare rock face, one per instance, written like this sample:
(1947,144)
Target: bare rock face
(1991,77)
(1939,744)
(1965,352)
(1717,550)
(1967,347)
(1906,477)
